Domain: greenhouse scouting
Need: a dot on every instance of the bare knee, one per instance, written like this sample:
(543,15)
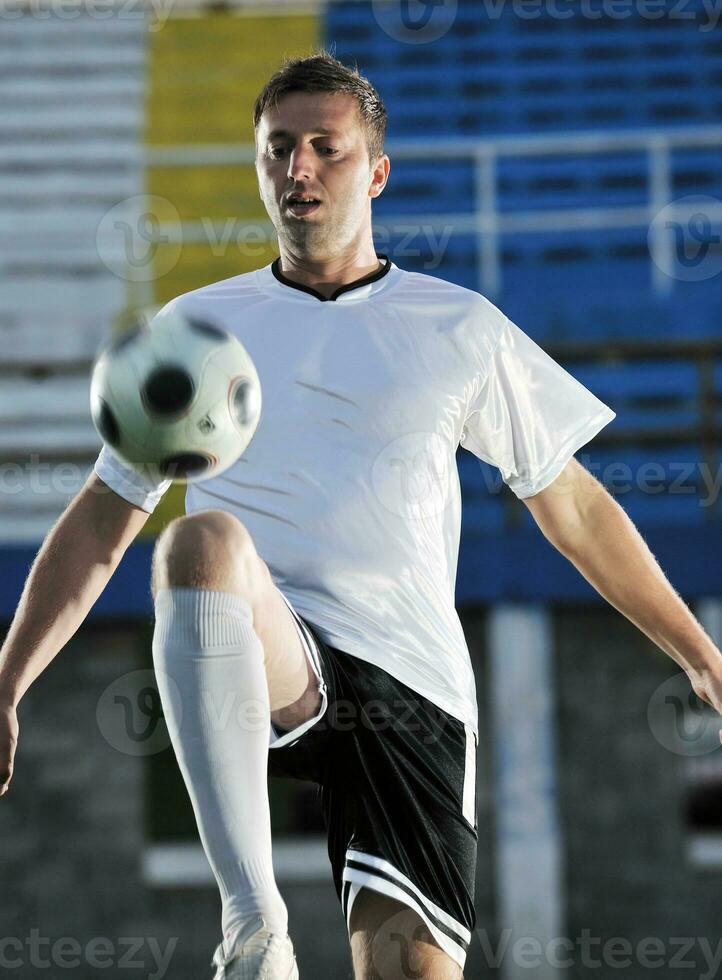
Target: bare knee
(210,549)
(390,940)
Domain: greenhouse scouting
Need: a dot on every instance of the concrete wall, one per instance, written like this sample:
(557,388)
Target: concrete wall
(73,830)
(622,797)
(73,827)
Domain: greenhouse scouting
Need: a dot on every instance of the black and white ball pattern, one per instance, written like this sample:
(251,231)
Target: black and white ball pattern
(181,397)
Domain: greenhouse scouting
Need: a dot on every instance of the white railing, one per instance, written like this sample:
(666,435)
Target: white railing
(484,217)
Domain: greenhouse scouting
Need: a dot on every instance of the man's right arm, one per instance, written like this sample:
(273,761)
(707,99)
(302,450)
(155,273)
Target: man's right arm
(70,571)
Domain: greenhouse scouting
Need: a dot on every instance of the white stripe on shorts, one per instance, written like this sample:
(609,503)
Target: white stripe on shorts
(380,876)
(288,738)
(468,806)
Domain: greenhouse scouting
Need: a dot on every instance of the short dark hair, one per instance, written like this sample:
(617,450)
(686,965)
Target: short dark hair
(321,72)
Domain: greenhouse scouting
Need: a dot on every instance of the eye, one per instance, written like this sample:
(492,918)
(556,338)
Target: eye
(276,152)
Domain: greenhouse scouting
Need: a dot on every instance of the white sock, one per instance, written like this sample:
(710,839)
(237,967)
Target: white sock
(218,718)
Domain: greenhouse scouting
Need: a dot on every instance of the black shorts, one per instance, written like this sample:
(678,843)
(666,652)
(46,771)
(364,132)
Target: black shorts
(398,790)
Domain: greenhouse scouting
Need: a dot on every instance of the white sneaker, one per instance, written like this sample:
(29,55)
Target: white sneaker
(255,954)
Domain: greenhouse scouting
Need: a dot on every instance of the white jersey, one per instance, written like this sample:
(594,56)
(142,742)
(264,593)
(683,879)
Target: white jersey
(349,487)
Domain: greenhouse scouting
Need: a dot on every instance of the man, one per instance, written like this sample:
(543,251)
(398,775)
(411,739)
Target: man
(316,582)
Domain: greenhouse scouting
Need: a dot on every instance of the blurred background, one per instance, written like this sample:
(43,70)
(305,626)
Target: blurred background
(564,159)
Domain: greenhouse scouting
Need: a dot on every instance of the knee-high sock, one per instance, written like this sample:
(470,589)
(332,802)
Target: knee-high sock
(212,682)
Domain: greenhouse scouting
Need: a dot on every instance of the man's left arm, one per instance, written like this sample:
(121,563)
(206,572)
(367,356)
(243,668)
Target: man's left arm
(587,525)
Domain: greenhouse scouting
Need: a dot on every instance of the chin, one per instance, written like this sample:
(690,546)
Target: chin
(312,237)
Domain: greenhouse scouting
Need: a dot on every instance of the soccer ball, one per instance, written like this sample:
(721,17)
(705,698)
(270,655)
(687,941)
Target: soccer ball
(178,399)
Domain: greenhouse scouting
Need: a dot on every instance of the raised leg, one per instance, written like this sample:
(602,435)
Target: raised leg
(227,658)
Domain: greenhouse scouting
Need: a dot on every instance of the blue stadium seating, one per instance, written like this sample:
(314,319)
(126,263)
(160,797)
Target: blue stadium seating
(502,75)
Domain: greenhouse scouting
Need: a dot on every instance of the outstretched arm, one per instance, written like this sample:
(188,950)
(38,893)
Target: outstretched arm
(587,525)
(72,567)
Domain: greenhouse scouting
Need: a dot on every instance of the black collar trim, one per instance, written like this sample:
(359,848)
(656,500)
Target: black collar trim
(364,281)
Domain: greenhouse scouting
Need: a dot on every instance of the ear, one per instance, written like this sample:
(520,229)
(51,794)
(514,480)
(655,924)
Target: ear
(379,176)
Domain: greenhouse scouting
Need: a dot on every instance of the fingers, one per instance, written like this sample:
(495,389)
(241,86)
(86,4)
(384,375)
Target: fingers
(6,774)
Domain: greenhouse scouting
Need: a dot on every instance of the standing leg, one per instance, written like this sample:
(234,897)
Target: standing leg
(389,941)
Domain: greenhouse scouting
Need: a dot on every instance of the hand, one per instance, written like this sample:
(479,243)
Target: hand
(9,731)
(707,684)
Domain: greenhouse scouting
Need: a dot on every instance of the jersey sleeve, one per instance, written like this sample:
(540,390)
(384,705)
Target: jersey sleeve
(530,415)
(130,484)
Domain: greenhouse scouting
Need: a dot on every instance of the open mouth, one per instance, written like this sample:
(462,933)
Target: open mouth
(303,205)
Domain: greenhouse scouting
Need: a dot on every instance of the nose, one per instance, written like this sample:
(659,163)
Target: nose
(300,165)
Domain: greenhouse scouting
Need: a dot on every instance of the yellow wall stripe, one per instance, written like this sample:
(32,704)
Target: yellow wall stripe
(204,76)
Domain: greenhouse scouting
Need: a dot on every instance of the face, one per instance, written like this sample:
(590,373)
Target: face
(313,146)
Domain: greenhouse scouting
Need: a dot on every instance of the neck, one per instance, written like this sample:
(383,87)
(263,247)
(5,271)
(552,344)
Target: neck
(327,274)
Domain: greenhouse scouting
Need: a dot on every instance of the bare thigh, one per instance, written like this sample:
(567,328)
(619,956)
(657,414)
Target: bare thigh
(212,549)
(292,684)
(389,941)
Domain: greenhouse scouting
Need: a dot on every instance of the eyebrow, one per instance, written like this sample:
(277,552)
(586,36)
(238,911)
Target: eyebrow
(276,133)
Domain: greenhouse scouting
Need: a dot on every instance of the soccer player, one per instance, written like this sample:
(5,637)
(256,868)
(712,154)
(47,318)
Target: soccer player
(314,580)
